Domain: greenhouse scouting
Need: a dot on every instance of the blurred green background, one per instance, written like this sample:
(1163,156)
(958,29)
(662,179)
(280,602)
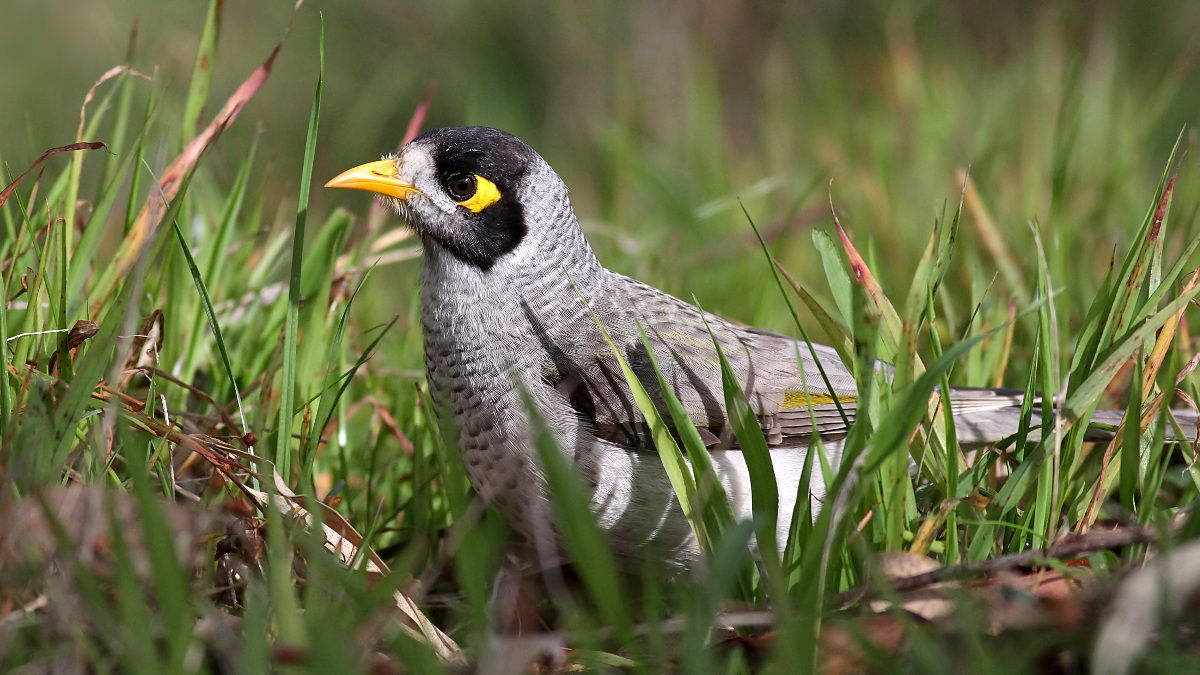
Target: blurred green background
(659,114)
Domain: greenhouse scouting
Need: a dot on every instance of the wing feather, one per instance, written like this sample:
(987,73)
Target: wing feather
(787,393)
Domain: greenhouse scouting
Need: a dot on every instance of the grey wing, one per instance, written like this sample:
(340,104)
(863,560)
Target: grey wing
(795,390)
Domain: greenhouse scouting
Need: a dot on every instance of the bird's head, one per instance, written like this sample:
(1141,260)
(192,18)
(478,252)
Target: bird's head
(475,191)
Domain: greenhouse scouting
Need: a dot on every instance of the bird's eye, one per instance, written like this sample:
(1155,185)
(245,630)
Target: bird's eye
(472,191)
(461,186)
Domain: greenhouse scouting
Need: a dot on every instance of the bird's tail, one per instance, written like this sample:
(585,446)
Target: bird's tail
(986,416)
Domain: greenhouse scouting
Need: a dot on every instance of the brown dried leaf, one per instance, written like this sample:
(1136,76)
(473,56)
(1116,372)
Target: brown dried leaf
(12,187)
(929,602)
(82,331)
(900,564)
(170,180)
(91,93)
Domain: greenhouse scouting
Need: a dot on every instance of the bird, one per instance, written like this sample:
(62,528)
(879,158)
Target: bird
(513,299)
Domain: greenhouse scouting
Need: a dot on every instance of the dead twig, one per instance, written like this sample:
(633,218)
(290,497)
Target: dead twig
(1068,547)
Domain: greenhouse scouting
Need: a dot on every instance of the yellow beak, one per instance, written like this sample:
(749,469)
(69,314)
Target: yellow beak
(378,177)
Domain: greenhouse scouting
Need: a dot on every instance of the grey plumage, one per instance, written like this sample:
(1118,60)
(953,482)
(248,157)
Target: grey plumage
(506,291)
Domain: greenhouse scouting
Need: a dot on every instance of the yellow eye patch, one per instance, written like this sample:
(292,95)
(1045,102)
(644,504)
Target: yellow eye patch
(486,194)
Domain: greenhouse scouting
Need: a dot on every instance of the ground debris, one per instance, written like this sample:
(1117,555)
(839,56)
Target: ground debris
(74,525)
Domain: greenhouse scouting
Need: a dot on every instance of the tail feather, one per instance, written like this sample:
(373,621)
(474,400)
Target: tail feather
(987,416)
(1183,426)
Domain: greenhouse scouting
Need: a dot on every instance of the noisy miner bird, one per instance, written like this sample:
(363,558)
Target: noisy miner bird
(507,285)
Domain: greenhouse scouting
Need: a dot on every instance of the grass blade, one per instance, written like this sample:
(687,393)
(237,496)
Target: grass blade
(764,490)
(202,70)
(287,387)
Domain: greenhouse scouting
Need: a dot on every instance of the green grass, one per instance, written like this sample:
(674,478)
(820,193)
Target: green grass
(241,316)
